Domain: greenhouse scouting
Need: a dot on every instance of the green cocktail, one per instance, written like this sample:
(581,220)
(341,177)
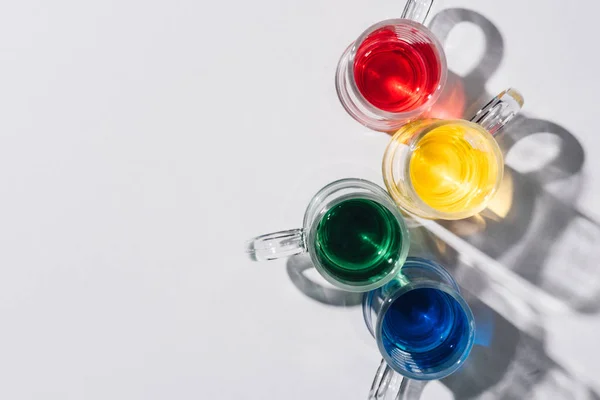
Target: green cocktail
(358,241)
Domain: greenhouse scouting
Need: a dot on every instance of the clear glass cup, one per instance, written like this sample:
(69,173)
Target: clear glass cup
(353,231)
(423,327)
(449,169)
(393,72)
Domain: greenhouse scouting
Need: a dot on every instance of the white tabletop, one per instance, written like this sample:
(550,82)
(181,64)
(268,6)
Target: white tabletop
(142,142)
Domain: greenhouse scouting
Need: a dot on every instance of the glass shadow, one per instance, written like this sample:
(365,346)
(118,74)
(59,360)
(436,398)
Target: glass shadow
(531,226)
(509,359)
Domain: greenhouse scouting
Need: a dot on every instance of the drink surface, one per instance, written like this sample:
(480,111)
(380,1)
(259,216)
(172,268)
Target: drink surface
(454,167)
(394,74)
(358,240)
(424,328)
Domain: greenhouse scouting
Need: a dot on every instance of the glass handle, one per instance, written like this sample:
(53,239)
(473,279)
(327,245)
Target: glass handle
(410,389)
(499,111)
(276,245)
(417,10)
(385,385)
(379,386)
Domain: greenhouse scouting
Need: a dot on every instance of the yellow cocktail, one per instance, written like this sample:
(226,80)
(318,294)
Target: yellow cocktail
(448,169)
(455,167)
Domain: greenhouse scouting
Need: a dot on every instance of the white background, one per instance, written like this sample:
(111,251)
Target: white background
(142,142)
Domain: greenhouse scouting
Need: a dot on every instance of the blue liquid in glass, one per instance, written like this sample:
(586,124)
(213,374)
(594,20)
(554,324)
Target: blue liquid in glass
(425,329)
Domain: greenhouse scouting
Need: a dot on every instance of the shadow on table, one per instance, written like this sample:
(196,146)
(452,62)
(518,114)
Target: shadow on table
(508,360)
(299,267)
(462,96)
(531,226)
(512,364)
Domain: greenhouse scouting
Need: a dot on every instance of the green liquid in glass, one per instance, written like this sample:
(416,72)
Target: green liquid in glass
(358,241)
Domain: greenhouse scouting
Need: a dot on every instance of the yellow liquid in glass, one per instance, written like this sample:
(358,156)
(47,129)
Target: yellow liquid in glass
(456,167)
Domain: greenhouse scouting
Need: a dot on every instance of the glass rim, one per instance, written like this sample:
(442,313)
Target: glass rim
(442,65)
(449,290)
(381,197)
(422,209)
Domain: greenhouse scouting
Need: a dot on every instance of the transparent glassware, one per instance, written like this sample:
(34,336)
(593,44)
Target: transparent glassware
(423,327)
(353,232)
(449,169)
(411,33)
(406,353)
(389,385)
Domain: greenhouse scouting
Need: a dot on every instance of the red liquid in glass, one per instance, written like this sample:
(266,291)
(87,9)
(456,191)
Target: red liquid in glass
(393,74)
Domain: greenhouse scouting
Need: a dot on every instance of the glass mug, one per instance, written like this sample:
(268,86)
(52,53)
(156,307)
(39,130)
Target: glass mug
(393,72)
(353,231)
(423,327)
(449,169)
